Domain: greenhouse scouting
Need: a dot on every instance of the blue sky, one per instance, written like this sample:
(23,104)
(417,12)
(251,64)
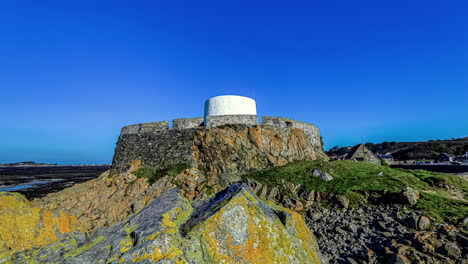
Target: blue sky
(72,74)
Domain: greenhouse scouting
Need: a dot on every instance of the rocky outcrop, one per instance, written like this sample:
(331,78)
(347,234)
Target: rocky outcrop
(24,226)
(236,149)
(108,199)
(225,149)
(232,227)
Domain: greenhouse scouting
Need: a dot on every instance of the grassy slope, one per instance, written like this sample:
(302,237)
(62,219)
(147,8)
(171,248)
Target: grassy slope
(352,179)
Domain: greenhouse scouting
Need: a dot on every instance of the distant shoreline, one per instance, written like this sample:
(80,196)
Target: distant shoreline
(31,164)
(54,165)
(35,181)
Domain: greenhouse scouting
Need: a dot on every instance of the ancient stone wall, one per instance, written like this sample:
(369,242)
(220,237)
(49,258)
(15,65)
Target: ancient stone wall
(145,127)
(161,149)
(312,131)
(184,123)
(215,121)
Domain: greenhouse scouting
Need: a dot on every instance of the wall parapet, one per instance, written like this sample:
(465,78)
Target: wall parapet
(215,121)
(184,123)
(145,127)
(311,131)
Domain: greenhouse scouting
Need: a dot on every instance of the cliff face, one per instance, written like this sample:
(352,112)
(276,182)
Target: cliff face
(236,148)
(232,227)
(225,149)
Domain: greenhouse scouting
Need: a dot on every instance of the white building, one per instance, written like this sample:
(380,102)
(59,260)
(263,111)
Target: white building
(230,105)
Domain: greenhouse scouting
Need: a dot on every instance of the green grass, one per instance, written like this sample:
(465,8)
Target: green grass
(153,174)
(352,179)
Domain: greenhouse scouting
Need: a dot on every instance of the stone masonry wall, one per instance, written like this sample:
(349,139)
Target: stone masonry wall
(215,121)
(312,131)
(161,149)
(145,127)
(184,123)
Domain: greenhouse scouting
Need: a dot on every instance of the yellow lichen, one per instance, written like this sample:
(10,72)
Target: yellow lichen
(78,251)
(25,226)
(173,253)
(126,244)
(168,224)
(153,236)
(268,241)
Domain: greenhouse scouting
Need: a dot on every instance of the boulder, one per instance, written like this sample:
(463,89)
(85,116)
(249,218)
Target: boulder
(342,201)
(234,226)
(322,175)
(451,250)
(418,222)
(410,196)
(326,177)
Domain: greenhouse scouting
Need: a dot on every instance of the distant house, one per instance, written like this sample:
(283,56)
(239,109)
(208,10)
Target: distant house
(387,158)
(443,157)
(362,153)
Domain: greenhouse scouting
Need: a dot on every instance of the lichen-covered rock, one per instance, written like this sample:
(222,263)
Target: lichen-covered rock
(106,200)
(232,227)
(236,227)
(24,226)
(152,234)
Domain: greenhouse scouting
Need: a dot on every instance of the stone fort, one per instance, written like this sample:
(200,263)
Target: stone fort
(227,139)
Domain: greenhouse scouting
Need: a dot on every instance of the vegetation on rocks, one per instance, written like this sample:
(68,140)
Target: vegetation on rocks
(442,195)
(153,174)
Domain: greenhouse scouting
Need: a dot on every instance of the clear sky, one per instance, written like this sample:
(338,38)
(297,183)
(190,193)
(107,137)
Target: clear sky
(71,75)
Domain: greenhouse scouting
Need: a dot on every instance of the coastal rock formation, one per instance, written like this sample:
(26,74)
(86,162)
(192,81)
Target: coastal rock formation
(224,149)
(106,200)
(232,227)
(237,148)
(24,226)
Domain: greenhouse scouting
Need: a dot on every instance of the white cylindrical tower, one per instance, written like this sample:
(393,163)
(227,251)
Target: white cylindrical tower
(230,105)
